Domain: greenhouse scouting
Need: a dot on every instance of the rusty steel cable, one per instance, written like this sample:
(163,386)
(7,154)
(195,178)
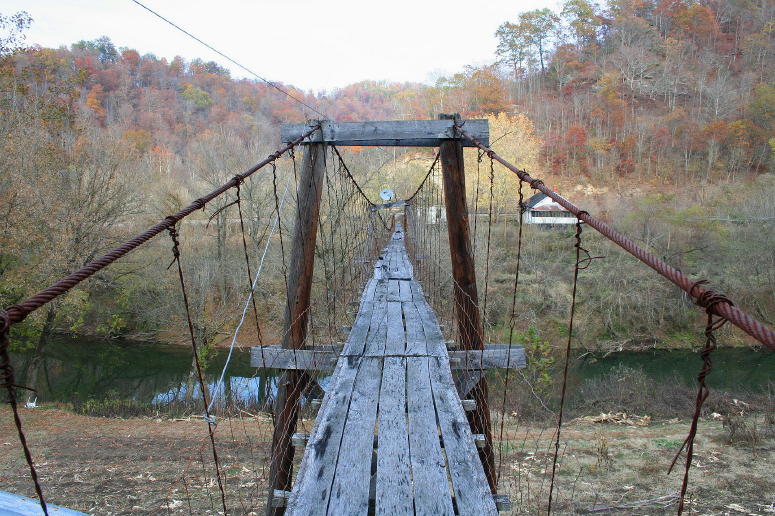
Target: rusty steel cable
(487,255)
(725,309)
(17,313)
(422,183)
(202,387)
(349,175)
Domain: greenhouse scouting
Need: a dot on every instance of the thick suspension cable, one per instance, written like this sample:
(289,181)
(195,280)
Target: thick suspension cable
(739,318)
(17,313)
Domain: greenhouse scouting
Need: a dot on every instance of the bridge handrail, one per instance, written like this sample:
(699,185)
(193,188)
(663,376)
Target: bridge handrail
(708,299)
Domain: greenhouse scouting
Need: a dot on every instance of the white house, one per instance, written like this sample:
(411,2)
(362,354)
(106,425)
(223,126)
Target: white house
(541,209)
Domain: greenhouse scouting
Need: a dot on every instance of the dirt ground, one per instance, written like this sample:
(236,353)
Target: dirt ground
(163,466)
(620,469)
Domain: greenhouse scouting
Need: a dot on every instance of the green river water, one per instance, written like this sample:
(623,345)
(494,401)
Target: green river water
(79,369)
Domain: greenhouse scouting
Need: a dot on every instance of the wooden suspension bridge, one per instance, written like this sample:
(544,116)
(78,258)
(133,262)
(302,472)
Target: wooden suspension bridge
(396,432)
(392,433)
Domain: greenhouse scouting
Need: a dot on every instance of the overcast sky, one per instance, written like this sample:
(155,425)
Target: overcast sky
(312,44)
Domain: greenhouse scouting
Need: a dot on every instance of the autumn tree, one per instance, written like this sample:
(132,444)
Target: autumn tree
(539,26)
(12,31)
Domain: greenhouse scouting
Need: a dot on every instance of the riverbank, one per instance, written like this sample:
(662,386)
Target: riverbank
(109,466)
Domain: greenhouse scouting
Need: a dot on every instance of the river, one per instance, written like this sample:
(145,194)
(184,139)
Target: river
(75,370)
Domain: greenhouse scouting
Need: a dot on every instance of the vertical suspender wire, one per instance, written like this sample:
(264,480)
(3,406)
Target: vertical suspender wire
(7,380)
(487,258)
(578,267)
(512,324)
(707,300)
(479,154)
(329,275)
(280,224)
(251,283)
(210,420)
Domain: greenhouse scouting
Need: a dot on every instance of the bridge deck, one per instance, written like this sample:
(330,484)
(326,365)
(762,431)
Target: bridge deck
(391,428)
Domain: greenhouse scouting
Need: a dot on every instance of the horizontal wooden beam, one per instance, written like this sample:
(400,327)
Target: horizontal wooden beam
(388,133)
(494,356)
(275,357)
(388,205)
(324,359)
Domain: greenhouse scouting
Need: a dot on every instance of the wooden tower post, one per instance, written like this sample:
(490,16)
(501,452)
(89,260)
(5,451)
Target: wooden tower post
(293,383)
(465,293)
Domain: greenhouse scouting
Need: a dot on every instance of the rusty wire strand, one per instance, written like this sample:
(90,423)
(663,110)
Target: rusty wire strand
(247,265)
(707,300)
(208,418)
(7,380)
(512,324)
(581,264)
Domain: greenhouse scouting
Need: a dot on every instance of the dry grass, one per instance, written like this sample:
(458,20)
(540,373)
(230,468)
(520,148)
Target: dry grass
(134,466)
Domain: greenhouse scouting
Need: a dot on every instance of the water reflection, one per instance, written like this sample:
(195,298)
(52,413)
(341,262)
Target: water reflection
(73,370)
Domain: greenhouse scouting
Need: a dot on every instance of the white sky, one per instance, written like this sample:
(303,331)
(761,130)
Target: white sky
(311,44)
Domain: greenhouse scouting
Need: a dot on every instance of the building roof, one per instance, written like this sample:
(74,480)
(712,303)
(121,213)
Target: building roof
(551,207)
(535,199)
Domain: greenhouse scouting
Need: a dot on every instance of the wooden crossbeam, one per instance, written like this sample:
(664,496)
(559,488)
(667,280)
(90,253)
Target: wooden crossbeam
(388,205)
(387,133)
(493,356)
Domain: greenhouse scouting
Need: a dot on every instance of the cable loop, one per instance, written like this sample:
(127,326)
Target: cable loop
(175,245)
(708,300)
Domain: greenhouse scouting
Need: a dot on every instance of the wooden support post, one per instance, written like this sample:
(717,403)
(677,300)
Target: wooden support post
(465,294)
(293,383)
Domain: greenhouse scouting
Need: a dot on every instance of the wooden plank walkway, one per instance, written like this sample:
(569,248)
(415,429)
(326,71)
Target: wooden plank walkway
(391,435)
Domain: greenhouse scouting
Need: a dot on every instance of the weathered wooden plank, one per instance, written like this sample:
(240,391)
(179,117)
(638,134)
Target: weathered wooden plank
(396,339)
(312,489)
(360,328)
(313,482)
(393,290)
(350,488)
(377,337)
(434,339)
(469,483)
(387,133)
(429,470)
(415,336)
(394,478)
(404,291)
(467,380)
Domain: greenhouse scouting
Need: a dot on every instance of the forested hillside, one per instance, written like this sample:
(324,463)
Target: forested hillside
(622,103)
